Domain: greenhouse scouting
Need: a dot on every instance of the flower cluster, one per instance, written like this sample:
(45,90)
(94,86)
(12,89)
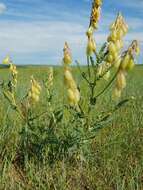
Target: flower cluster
(14,74)
(72,90)
(34,92)
(13,70)
(67,55)
(127,63)
(95,15)
(6,60)
(115,40)
(49,79)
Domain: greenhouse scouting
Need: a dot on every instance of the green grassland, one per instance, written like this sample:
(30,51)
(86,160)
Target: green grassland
(114,160)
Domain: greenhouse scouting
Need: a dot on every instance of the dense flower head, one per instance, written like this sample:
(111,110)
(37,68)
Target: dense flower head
(34,92)
(72,90)
(14,74)
(67,55)
(6,60)
(115,40)
(126,64)
(95,14)
(50,76)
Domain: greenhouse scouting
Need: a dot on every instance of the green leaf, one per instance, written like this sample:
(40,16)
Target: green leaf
(120,104)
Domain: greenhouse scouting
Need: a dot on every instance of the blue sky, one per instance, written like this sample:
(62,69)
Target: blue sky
(34,31)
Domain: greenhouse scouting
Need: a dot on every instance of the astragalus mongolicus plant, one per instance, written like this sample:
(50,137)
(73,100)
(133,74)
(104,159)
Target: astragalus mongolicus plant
(65,130)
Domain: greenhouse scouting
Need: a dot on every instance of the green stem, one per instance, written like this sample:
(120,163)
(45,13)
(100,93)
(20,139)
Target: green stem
(88,65)
(82,73)
(108,85)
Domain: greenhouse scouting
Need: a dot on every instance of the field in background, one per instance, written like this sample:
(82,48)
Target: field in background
(116,162)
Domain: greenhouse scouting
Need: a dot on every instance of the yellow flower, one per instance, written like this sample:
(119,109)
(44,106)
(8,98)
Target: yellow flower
(115,40)
(89,32)
(91,46)
(99,70)
(121,80)
(117,63)
(67,55)
(51,75)
(6,60)
(72,90)
(73,96)
(99,2)
(95,13)
(34,92)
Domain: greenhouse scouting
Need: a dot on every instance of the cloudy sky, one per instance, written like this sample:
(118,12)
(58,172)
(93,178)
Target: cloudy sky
(34,31)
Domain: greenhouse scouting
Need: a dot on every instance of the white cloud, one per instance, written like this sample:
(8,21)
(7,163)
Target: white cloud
(2,8)
(24,40)
(21,37)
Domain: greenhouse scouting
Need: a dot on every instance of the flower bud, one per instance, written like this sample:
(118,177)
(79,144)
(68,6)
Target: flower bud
(121,80)
(120,34)
(117,63)
(112,48)
(110,58)
(113,36)
(67,55)
(89,32)
(125,61)
(6,60)
(91,46)
(98,2)
(130,65)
